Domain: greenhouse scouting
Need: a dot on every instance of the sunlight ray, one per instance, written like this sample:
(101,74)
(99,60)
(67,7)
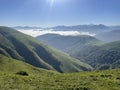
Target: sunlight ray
(51,3)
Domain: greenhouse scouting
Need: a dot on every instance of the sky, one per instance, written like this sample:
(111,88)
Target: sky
(47,13)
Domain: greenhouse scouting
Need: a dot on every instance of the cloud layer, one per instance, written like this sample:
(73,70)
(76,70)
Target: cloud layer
(36,33)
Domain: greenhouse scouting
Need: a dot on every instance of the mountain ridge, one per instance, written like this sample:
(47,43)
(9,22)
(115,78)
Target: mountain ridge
(67,43)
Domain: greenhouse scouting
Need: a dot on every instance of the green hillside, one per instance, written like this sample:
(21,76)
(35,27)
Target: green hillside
(39,79)
(26,48)
(10,65)
(101,57)
(88,49)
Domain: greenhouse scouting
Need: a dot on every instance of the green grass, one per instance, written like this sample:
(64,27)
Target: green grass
(102,80)
(40,79)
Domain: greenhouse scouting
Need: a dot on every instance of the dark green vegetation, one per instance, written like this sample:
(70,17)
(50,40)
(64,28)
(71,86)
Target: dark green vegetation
(101,57)
(40,79)
(109,36)
(25,48)
(23,73)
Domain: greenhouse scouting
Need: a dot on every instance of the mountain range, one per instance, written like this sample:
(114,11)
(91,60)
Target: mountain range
(26,48)
(86,28)
(96,53)
(91,28)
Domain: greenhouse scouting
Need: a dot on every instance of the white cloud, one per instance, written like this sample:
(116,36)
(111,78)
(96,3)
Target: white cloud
(35,33)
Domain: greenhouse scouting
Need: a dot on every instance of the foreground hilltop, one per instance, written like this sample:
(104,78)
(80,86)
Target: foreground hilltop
(33,78)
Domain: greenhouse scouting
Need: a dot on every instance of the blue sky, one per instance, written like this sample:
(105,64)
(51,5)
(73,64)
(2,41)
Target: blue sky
(59,12)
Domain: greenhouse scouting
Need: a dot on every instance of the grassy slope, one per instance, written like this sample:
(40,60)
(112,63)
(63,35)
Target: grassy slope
(39,79)
(10,65)
(32,51)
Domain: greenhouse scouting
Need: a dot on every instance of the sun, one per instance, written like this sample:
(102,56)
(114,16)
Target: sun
(52,2)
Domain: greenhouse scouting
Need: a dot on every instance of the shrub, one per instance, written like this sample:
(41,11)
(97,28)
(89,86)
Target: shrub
(23,73)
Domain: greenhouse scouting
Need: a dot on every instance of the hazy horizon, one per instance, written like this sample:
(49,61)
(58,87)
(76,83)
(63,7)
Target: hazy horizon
(39,26)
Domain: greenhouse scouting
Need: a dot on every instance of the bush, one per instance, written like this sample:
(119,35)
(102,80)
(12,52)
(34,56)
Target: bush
(23,73)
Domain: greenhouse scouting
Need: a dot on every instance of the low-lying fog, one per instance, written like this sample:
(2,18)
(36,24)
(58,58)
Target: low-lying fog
(36,33)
